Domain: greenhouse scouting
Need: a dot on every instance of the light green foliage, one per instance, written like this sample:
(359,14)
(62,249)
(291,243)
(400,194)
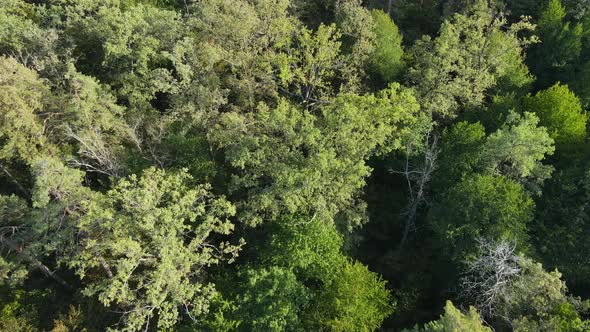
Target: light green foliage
(292,161)
(311,248)
(455,70)
(17,25)
(271,300)
(94,124)
(482,206)
(129,48)
(21,36)
(237,51)
(453,320)
(309,69)
(560,111)
(356,300)
(153,235)
(22,96)
(537,301)
(46,229)
(56,182)
(386,61)
(517,149)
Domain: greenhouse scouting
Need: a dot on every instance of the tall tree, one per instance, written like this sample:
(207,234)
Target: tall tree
(145,245)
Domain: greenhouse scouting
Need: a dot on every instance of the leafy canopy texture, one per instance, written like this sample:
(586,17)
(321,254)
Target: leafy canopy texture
(453,320)
(152,237)
(294,161)
(559,110)
(356,154)
(482,206)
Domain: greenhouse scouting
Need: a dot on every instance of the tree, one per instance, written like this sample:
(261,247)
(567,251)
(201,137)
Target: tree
(493,207)
(291,161)
(386,62)
(538,301)
(356,300)
(563,223)
(514,289)
(22,96)
(454,320)
(145,245)
(129,47)
(310,248)
(517,149)
(559,110)
(453,71)
(45,228)
(461,153)
(272,300)
(554,58)
(489,277)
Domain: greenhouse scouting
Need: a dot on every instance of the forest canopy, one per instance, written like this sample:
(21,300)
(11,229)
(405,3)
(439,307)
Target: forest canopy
(294,165)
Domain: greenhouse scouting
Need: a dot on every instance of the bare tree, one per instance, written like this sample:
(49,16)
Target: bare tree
(95,154)
(488,279)
(418,180)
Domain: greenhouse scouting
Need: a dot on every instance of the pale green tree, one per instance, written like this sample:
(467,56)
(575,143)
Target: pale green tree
(386,61)
(146,244)
(472,51)
(517,150)
(356,300)
(453,320)
(22,96)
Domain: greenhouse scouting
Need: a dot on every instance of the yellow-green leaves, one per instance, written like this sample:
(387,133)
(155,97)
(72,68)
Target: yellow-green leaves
(453,320)
(22,96)
(386,61)
(290,160)
(147,243)
(471,52)
(560,111)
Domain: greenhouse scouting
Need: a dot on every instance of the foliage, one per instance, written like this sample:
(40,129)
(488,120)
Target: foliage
(145,143)
(310,248)
(387,60)
(355,300)
(271,300)
(456,321)
(454,70)
(485,206)
(151,236)
(277,150)
(559,110)
(561,43)
(21,100)
(517,149)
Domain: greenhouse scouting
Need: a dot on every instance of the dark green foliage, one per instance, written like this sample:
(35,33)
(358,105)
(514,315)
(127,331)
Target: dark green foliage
(482,206)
